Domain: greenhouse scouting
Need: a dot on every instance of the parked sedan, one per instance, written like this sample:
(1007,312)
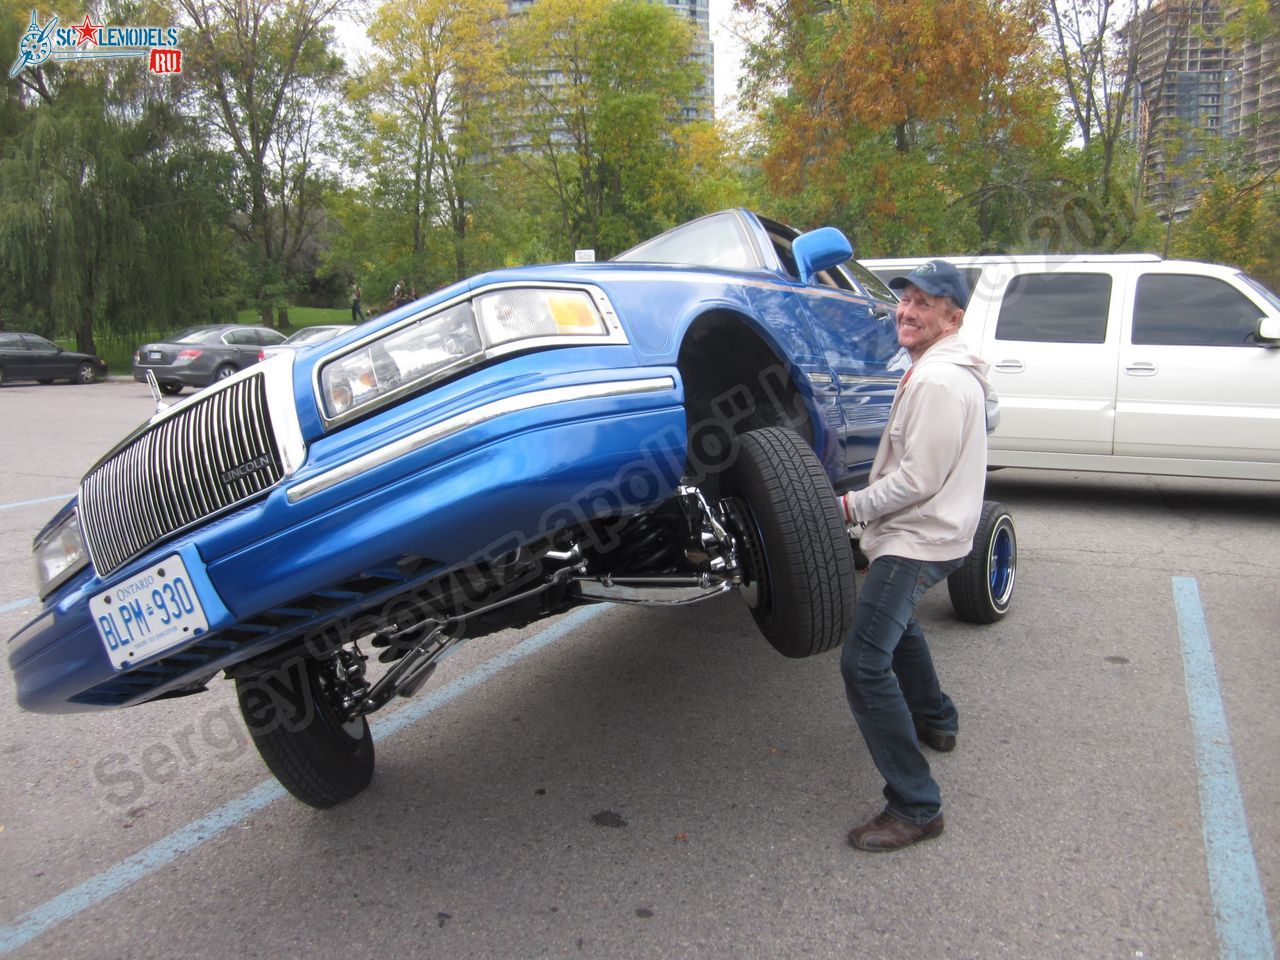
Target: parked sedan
(200,356)
(306,337)
(25,356)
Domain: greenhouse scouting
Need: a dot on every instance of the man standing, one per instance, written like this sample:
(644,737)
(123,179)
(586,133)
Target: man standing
(918,514)
(357,314)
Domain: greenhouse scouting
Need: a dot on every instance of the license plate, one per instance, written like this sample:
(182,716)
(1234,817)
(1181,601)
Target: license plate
(154,611)
(154,355)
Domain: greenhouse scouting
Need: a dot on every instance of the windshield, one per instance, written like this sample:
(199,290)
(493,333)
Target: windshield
(714,241)
(1270,297)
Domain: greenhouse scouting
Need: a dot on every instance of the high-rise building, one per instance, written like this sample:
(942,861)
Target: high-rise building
(701,105)
(1189,82)
(1254,116)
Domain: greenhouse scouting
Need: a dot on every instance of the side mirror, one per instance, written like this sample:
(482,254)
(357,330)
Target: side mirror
(1269,331)
(819,250)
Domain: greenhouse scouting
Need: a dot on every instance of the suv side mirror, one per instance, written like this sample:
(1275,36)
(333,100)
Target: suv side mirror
(819,250)
(1269,331)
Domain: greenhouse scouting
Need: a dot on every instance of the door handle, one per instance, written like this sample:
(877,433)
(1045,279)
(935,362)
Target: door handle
(1009,366)
(1140,368)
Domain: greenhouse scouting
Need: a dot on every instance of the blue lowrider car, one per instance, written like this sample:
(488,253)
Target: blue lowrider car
(664,427)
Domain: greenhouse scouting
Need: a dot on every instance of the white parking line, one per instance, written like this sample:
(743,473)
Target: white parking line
(195,834)
(31,503)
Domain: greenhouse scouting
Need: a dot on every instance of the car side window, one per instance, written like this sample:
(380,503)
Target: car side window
(1056,308)
(10,341)
(1193,311)
(38,344)
(241,338)
(268,338)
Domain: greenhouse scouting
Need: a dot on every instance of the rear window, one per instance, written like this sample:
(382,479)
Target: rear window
(1193,311)
(1056,308)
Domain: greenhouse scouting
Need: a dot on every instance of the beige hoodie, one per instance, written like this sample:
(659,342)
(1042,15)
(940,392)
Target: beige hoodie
(925,489)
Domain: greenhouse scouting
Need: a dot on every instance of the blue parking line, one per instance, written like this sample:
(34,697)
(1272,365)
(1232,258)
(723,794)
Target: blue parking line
(1239,907)
(31,503)
(195,834)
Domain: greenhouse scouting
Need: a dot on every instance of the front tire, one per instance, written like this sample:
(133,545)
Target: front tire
(982,589)
(316,755)
(86,373)
(797,557)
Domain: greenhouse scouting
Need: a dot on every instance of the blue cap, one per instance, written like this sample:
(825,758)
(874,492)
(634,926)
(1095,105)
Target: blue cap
(938,279)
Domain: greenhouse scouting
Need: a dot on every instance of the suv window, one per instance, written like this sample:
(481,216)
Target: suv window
(1192,311)
(1056,308)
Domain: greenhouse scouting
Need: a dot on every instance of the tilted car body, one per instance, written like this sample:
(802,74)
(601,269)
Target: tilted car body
(202,355)
(26,356)
(662,428)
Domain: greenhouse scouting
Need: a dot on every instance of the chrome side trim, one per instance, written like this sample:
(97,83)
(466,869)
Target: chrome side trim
(856,380)
(471,418)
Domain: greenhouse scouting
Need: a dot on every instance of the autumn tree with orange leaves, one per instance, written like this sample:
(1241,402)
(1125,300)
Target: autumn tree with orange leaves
(909,121)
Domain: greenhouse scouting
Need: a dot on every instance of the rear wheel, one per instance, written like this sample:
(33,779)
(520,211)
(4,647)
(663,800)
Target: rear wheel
(224,371)
(982,589)
(171,389)
(798,566)
(294,716)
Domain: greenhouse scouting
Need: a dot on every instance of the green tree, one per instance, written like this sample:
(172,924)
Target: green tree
(259,68)
(109,219)
(426,104)
(598,87)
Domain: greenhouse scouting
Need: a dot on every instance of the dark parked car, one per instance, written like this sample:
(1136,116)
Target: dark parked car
(200,356)
(306,337)
(663,428)
(25,356)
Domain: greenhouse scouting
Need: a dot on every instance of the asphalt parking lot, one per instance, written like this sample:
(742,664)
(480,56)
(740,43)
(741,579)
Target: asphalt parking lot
(641,782)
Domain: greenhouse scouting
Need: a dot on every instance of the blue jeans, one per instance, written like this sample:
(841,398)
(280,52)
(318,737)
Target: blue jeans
(889,676)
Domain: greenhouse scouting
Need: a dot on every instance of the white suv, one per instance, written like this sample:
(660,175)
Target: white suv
(1125,363)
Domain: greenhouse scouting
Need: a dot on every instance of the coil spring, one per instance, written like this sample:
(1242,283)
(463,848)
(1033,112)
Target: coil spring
(646,546)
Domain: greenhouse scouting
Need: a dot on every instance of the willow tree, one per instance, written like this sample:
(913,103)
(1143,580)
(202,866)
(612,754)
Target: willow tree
(108,206)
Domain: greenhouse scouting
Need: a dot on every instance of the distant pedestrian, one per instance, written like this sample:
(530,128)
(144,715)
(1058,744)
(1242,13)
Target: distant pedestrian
(357,315)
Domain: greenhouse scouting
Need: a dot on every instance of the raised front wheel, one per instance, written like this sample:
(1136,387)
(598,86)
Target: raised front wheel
(794,550)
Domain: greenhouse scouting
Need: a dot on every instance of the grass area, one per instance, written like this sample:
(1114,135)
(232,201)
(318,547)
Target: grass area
(119,352)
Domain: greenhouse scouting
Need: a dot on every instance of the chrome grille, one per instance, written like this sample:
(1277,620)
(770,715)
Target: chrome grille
(215,453)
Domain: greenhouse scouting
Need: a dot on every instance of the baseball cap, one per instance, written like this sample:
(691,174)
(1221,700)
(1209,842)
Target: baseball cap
(938,278)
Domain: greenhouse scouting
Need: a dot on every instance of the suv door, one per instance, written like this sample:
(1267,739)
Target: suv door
(1194,384)
(1053,346)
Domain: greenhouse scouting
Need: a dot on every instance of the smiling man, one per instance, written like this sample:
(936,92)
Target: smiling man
(918,515)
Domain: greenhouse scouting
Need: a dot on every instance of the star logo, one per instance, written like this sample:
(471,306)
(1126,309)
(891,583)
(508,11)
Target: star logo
(88,31)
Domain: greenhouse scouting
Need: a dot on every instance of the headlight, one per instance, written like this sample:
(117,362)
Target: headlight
(439,344)
(422,351)
(59,554)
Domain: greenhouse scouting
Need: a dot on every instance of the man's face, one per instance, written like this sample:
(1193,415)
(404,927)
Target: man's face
(924,319)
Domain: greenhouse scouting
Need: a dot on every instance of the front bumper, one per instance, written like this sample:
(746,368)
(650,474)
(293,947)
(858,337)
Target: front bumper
(485,474)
